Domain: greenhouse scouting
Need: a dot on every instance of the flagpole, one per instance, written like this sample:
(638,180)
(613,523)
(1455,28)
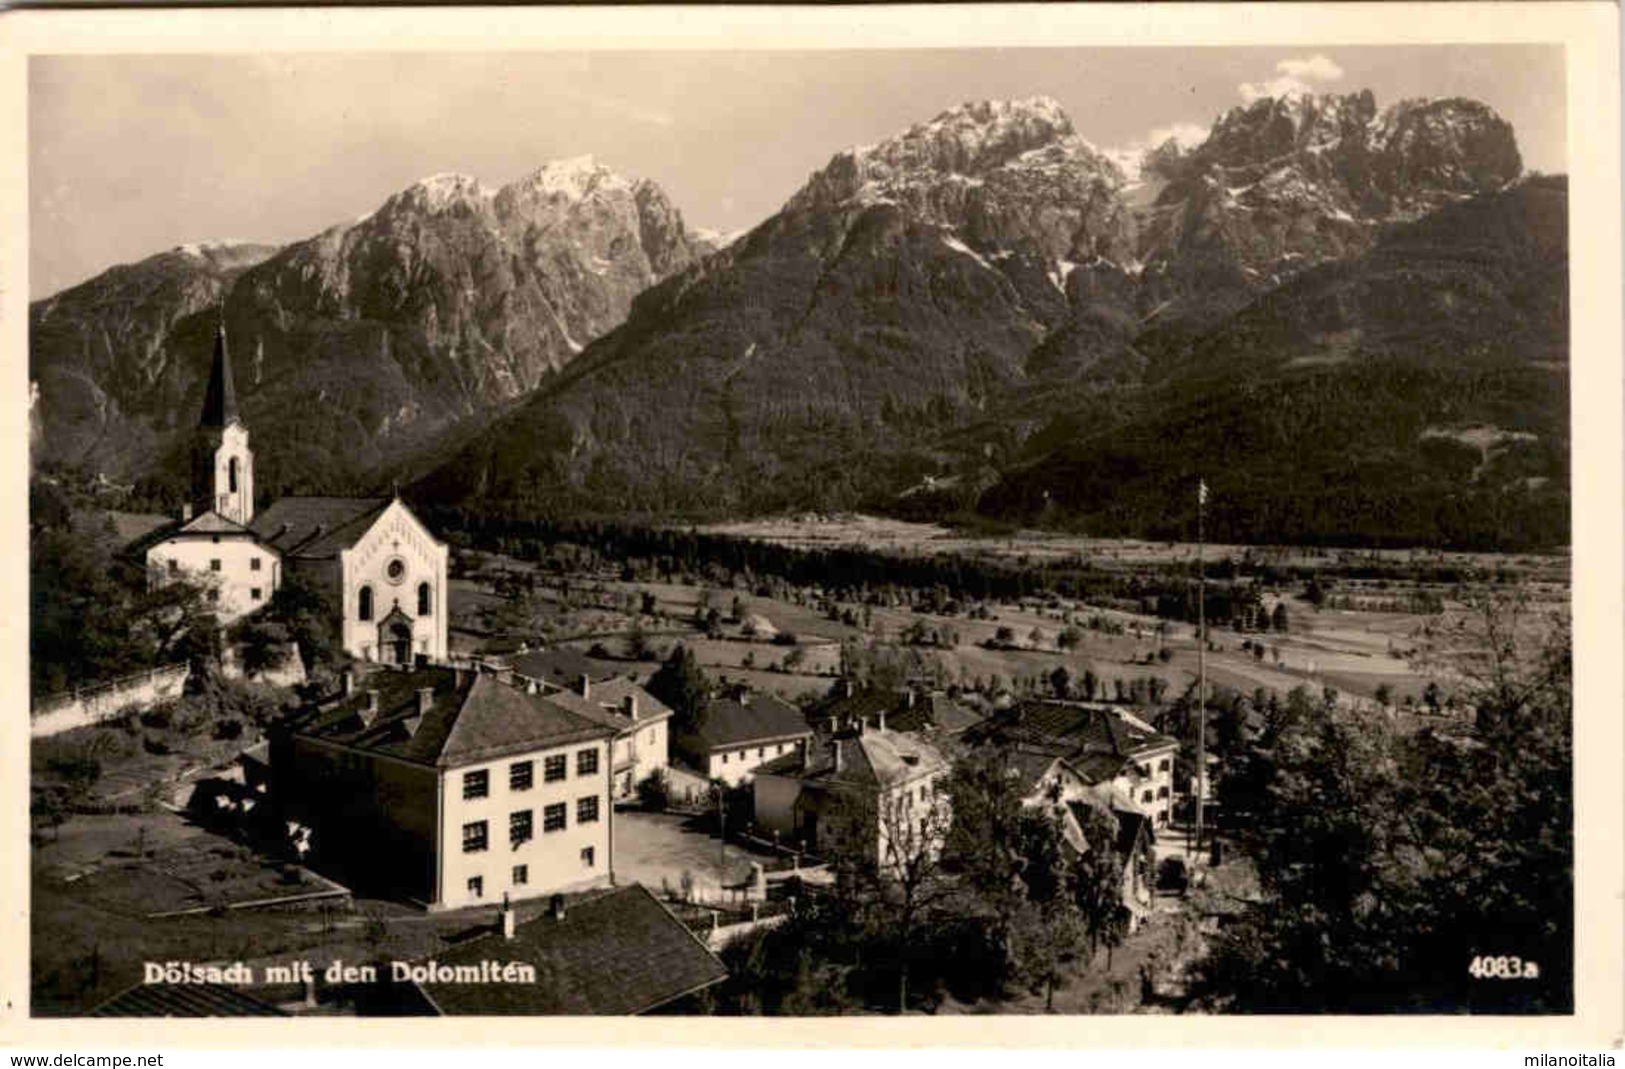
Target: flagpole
(1201,661)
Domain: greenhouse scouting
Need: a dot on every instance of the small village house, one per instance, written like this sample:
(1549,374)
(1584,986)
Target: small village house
(738,735)
(641,723)
(866,792)
(1066,750)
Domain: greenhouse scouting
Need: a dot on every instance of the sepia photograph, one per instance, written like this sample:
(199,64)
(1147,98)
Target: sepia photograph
(792,532)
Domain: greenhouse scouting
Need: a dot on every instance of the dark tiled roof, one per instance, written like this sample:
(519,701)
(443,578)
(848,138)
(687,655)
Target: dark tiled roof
(1076,729)
(619,953)
(220,397)
(471,720)
(903,710)
(759,718)
(208,524)
(561,666)
(184,1000)
(317,527)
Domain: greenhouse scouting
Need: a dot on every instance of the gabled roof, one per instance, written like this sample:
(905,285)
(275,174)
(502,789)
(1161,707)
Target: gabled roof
(1075,729)
(208,524)
(471,718)
(314,528)
(606,705)
(904,710)
(760,718)
(873,759)
(611,694)
(618,953)
(184,1000)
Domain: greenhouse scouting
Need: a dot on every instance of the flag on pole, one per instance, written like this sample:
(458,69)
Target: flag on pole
(1201,491)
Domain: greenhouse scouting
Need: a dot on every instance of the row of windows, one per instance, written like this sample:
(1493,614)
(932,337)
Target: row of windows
(522,774)
(1162,792)
(521,828)
(214,565)
(1163,766)
(761,752)
(255,593)
(364,601)
(520,877)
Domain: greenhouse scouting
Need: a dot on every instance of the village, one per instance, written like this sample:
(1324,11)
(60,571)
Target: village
(620,783)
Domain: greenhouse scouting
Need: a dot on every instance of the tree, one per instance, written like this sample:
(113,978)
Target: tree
(1441,846)
(1045,939)
(985,843)
(891,854)
(1060,681)
(683,685)
(1091,683)
(1278,621)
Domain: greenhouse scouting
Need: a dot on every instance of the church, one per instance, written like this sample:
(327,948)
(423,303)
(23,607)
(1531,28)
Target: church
(383,569)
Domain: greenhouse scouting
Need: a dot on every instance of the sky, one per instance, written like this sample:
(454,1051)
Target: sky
(131,155)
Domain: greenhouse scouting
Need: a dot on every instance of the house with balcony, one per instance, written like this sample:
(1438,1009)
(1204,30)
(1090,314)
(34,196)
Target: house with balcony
(449,787)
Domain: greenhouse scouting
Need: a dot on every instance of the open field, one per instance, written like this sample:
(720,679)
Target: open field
(905,538)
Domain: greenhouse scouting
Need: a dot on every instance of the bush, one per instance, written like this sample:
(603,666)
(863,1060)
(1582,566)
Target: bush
(785,638)
(159,716)
(228,729)
(654,793)
(154,745)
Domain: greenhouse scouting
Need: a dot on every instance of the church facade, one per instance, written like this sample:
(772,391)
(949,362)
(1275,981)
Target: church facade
(383,570)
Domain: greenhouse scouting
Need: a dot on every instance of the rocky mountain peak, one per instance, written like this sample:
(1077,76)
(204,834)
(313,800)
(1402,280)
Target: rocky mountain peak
(1020,148)
(438,193)
(575,178)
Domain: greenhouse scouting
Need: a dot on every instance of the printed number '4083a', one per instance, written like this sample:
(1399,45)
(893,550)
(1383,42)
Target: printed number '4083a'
(1502,967)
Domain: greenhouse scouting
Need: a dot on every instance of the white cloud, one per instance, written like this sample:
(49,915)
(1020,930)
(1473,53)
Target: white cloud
(1293,77)
(1187,135)
(1129,157)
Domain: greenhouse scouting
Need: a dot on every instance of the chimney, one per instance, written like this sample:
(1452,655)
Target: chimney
(369,712)
(908,698)
(186,512)
(531,687)
(586,686)
(880,720)
(505,919)
(844,687)
(348,680)
(425,699)
(555,907)
(630,704)
(840,763)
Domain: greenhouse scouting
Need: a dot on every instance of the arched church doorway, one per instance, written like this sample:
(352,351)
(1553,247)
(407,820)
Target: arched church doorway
(395,638)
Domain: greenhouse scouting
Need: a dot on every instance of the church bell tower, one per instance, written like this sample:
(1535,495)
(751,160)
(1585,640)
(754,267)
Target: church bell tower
(222,464)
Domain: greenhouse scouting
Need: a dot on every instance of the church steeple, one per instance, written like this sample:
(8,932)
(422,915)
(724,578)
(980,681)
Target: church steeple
(222,464)
(220,400)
